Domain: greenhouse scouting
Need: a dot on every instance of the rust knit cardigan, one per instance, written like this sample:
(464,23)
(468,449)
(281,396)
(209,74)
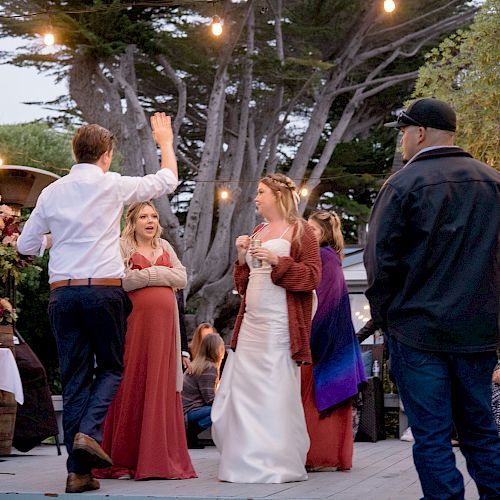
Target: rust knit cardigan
(299,275)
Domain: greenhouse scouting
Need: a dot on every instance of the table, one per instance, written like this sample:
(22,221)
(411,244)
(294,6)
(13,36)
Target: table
(10,380)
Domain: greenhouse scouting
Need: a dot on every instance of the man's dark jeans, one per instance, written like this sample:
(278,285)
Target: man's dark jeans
(439,390)
(89,324)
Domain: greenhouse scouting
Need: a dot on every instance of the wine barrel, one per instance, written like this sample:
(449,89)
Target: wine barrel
(7,337)
(8,409)
(8,405)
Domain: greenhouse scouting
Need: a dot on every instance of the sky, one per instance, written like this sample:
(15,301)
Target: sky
(19,85)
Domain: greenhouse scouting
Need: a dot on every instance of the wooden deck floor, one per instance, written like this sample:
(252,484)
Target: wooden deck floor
(382,471)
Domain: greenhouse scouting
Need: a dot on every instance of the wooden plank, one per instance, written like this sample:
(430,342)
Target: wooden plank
(382,471)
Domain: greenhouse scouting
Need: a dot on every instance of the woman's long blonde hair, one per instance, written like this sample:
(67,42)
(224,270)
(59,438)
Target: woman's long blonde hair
(331,230)
(210,354)
(197,338)
(288,199)
(128,234)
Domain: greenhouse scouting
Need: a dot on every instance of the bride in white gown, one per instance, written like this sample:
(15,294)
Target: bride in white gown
(258,421)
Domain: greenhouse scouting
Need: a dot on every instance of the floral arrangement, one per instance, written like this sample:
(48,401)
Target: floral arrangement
(9,226)
(12,263)
(7,312)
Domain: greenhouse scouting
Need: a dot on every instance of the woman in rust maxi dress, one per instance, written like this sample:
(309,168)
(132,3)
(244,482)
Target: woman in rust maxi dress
(337,373)
(144,431)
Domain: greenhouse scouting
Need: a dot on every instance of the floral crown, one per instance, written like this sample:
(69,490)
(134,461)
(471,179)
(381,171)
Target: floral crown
(289,186)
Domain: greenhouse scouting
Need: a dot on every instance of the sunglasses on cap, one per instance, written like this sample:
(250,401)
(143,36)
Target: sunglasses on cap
(407,119)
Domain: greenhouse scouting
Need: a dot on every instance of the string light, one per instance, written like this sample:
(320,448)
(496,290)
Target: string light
(216,26)
(389,5)
(49,39)
(304,192)
(227,183)
(224,194)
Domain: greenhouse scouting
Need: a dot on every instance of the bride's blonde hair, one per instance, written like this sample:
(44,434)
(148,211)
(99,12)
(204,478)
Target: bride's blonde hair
(285,192)
(128,239)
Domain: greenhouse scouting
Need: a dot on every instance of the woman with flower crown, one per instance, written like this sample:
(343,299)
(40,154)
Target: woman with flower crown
(258,419)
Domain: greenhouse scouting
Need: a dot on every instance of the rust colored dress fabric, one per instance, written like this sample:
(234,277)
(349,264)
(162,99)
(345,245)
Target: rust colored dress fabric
(144,430)
(331,437)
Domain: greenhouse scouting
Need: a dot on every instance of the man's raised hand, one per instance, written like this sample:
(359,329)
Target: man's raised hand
(161,125)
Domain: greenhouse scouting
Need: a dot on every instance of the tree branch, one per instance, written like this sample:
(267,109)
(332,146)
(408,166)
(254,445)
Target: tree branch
(429,31)
(182,97)
(414,20)
(397,79)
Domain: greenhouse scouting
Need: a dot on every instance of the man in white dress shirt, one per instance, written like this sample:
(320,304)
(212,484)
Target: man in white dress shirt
(78,217)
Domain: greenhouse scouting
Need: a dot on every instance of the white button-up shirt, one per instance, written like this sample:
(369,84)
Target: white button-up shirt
(82,211)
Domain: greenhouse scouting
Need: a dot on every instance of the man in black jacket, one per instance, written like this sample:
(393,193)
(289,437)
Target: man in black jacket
(433,268)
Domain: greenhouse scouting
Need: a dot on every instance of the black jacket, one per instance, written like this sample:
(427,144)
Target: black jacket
(432,256)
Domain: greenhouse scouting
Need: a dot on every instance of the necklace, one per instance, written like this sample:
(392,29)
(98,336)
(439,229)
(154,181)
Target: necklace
(266,229)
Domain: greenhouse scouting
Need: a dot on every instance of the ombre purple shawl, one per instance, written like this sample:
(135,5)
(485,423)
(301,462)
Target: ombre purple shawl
(338,367)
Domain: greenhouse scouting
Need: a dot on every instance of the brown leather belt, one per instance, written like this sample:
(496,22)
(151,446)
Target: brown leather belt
(87,282)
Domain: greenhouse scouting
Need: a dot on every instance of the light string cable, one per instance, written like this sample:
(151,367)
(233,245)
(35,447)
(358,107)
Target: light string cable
(103,8)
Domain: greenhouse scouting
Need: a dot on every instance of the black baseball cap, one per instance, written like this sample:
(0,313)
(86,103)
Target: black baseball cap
(427,112)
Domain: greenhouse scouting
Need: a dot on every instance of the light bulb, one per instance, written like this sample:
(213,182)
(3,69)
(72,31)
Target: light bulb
(360,316)
(365,320)
(366,308)
(357,313)
(49,39)
(224,194)
(1,162)
(216,26)
(389,5)
(304,192)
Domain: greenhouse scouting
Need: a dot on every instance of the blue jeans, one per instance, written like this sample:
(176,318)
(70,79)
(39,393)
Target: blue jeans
(200,416)
(441,389)
(89,324)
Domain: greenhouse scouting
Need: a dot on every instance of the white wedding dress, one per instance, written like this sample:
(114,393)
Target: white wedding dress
(258,422)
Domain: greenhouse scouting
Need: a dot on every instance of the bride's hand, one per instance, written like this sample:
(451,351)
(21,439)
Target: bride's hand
(262,253)
(242,245)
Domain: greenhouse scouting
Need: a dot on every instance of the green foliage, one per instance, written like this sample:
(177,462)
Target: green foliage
(36,145)
(353,178)
(100,28)
(40,145)
(465,71)
(13,266)
(33,322)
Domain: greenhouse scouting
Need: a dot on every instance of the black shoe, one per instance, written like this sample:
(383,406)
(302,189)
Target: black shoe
(192,437)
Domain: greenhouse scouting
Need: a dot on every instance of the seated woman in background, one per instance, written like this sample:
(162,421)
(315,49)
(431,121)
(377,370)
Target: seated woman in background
(200,385)
(202,330)
(337,373)
(144,430)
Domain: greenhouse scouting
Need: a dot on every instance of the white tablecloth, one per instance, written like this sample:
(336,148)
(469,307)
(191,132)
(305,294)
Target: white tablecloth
(10,380)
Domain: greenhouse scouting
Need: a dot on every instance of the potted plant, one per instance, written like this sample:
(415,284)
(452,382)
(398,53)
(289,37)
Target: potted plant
(9,232)
(7,313)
